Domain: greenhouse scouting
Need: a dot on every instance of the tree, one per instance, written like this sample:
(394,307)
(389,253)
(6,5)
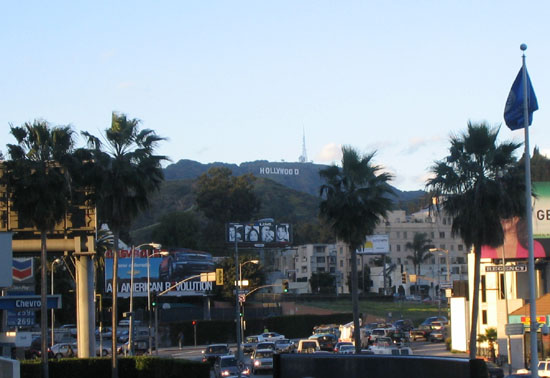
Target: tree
(479,183)
(251,272)
(421,252)
(223,198)
(490,337)
(322,282)
(40,186)
(354,199)
(177,229)
(124,172)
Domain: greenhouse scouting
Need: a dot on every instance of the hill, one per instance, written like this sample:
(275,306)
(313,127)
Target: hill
(302,177)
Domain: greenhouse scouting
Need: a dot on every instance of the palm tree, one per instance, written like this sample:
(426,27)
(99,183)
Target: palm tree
(480,183)
(491,338)
(40,186)
(124,173)
(421,252)
(354,199)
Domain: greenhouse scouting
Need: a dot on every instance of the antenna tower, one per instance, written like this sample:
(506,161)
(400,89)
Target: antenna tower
(303,157)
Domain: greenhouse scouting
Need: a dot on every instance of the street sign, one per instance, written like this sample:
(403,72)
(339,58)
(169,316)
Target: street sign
(28,302)
(242,298)
(514,329)
(507,268)
(446,285)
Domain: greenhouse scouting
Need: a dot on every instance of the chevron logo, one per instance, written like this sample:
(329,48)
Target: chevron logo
(22,269)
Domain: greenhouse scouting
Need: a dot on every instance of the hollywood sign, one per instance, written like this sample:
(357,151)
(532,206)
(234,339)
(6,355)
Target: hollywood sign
(279,171)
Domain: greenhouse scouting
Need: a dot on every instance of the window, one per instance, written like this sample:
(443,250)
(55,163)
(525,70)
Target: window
(484,317)
(398,234)
(398,248)
(319,249)
(320,259)
(333,270)
(341,263)
(452,247)
(442,260)
(304,269)
(442,234)
(455,270)
(432,235)
(460,260)
(399,260)
(444,220)
(404,234)
(341,250)
(460,247)
(502,290)
(483,290)
(321,270)
(432,261)
(442,246)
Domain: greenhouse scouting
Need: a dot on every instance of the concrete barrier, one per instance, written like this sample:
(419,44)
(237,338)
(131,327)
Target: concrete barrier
(9,368)
(367,366)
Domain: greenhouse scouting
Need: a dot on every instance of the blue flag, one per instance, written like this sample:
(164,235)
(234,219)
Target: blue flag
(513,111)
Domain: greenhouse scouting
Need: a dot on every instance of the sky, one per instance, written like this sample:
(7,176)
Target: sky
(239,81)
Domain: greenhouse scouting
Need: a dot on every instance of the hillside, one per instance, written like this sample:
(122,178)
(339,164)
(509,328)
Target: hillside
(302,177)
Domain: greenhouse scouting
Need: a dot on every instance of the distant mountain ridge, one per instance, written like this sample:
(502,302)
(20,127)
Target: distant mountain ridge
(303,177)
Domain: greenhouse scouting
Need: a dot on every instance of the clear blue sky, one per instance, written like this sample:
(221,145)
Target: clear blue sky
(238,81)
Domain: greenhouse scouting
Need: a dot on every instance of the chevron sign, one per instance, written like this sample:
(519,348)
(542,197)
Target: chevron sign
(22,269)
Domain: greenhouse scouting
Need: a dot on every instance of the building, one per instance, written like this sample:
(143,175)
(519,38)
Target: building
(299,263)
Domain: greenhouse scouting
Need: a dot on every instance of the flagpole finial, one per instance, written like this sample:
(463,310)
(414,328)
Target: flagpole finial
(523,47)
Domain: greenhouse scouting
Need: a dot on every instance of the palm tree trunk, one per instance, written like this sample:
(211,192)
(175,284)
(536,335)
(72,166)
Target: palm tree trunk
(475,302)
(44,304)
(114,363)
(355,301)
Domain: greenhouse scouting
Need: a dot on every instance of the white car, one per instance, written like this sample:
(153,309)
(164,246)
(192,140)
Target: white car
(272,336)
(262,359)
(346,349)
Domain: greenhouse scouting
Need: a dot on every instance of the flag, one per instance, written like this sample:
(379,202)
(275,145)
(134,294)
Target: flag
(513,111)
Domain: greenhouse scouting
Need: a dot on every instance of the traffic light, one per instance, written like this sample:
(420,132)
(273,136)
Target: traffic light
(285,286)
(194,322)
(153,300)
(404,277)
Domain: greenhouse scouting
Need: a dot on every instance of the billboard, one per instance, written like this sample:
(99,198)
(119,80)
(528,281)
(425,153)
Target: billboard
(515,244)
(259,233)
(167,269)
(375,245)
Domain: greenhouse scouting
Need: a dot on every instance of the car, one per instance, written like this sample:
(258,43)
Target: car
(271,336)
(63,350)
(437,325)
(307,346)
(35,349)
(497,372)
(437,335)
(213,351)
(383,341)
(262,359)
(403,325)
(346,349)
(543,368)
(422,332)
(265,345)
(380,332)
(250,343)
(283,345)
(226,366)
(326,341)
(182,262)
(339,344)
(442,319)
(399,338)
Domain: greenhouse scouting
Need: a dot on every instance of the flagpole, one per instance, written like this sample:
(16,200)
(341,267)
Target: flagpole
(528,217)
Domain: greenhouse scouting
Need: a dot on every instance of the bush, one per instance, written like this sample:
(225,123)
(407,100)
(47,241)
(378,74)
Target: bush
(448,343)
(128,367)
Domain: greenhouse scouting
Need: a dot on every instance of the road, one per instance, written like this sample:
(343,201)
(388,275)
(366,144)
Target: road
(422,348)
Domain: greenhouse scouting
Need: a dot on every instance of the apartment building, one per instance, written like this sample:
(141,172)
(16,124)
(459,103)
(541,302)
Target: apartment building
(299,263)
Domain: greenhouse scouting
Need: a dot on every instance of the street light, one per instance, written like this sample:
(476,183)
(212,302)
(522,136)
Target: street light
(446,252)
(159,253)
(54,262)
(439,275)
(240,283)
